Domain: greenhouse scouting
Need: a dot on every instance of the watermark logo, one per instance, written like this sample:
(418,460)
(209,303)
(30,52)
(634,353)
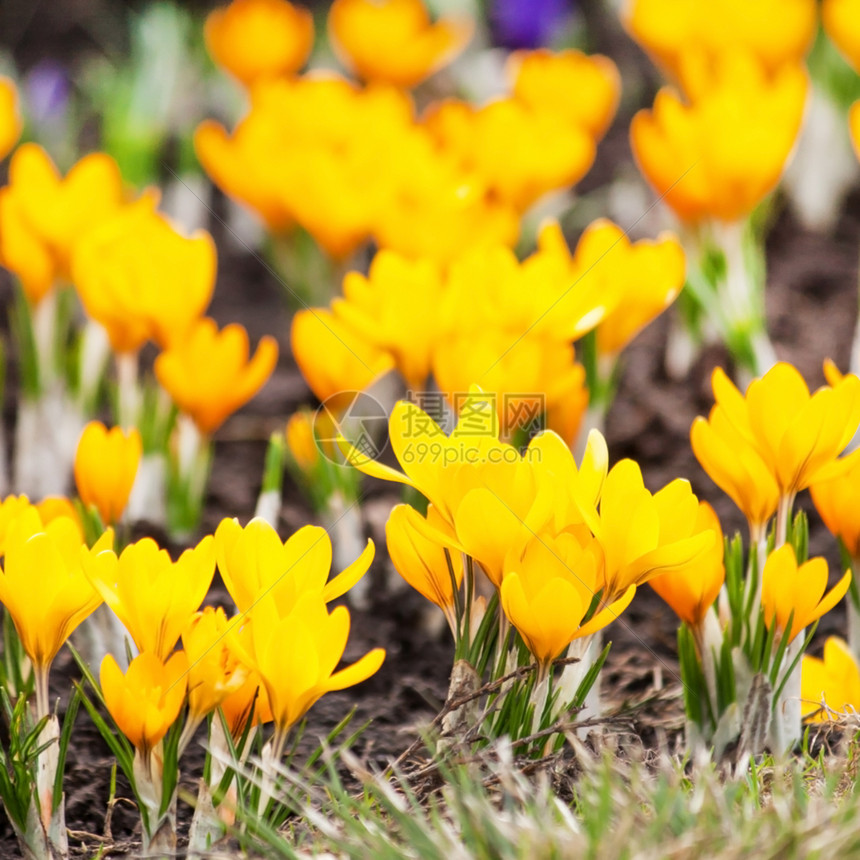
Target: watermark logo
(357,417)
(362,421)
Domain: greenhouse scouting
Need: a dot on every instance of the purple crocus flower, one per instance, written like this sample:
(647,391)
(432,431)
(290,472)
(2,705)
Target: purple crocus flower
(527,23)
(47,91)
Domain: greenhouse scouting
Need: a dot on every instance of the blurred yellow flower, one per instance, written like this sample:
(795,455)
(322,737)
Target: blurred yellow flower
(210,374)
(141,279)
(548,590)
(775,440)
(841,20)
(296,655)
(692,589)
(43,216)
(106,463)
(582,90)
(239,166)
(431,209)
(777,32)
(333,358)
(720,154)
(301,439)
(566,414)
(153,596)
(54,507)
(146,700)
(422,561)
(394,41)
(837,501)
(797,592)
(525,374)
(214,672)
(10,116)
(544,295)
(396,308)
(253,561)
(257,39)
(43,584)
(835,680)
(518,153)
(298,157)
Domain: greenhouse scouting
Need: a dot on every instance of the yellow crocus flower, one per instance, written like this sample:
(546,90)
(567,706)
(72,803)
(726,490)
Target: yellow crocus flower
(775,31)
(396,308)
(635,281)
(296,655)
(526,375)
(214,672)
(691,590)
(441,467)
(833,680)
(500,511)
(153,596)
(841,20)
(253,561)
(519,154)
(421,560)
(333,357)
(576,488)
(393,40)
(548,589)
(11,508)
(301,439)
(258,39)
(544,81)
(787,588)
(141,279)
(146,700)
(43,215)
(44,587)
(210,373)
(237,165)
(236,707)
(776,436)
(106,463)
(837,501)
(10,117)
(720,154)
(54,507)
(644,535)
(48,510)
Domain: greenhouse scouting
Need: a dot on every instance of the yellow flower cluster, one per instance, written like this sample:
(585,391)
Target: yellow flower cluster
(134,273)
(775,32)
(491,319)
(764,447)
(278,653)
(565,546)
(350,163)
